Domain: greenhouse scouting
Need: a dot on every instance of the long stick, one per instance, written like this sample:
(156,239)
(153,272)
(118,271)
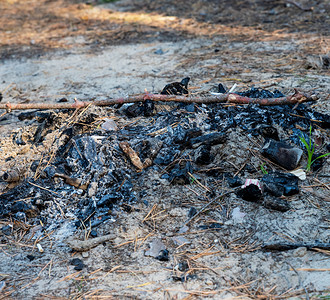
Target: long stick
(296,98)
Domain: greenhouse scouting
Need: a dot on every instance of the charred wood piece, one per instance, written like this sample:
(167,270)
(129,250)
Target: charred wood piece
(210,139)
(283,154)
(176,88)
(290,246)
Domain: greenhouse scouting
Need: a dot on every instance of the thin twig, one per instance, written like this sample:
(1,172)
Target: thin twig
(297,97)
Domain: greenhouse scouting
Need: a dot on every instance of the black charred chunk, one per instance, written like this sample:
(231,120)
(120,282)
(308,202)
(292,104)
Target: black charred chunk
(179,175)
(250,193)
(281,153)
(276,204)
(176,88)
(78,263)
(214,226)
(261,93)
(279,184)
(234,181)
(203,155)
(145,108)
(269,132)
(163,255)
(221,89)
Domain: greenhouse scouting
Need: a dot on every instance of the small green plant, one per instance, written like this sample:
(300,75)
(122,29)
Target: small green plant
(310,150)
(263,169)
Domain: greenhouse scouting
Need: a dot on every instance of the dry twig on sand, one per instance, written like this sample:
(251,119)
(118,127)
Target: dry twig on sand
(78,245)
(296,98)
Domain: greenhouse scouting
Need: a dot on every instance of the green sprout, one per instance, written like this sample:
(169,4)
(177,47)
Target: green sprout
(263,169)
(310,150)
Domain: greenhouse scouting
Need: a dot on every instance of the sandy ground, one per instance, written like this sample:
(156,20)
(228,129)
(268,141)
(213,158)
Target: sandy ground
(75,66)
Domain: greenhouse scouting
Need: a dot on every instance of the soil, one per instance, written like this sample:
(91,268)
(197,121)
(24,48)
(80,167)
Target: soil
(58,49)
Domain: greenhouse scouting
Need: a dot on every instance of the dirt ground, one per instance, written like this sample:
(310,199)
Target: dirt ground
(54,49)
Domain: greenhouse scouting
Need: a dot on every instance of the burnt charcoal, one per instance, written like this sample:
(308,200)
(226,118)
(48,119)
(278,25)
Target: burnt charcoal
(166,156)
(29,115)
(189,107)
(289,246)
(6,230)
(163,255)
(165,176)
(179,175)
(234,181)
(159,51)
(279,184)
(126,188)
(47,120)
(211,194)
(318,163)
(30,257)
(50,171)
(210,139)
(135,110)
(281,153)
(261,93)
(193,133)
(110,199)
(325,118)
(184,278)
(149,107)
(179,135)
(26,115)
(18,138)
(1,97)
(144,149)
(97,222)
(93,233)
(276,204)
(203,155)
(250,169)
(20,206)
(305,115)
(176,88)
(83,154)
(192,212)
(215,226)
(149,148)
(24,190)
(250,193)
(221,89)
(183,266)
(78,263)
(269,132)
(66,137)
(128,208)
(145,108)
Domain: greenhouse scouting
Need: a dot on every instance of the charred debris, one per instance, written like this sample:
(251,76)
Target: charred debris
(95,171)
